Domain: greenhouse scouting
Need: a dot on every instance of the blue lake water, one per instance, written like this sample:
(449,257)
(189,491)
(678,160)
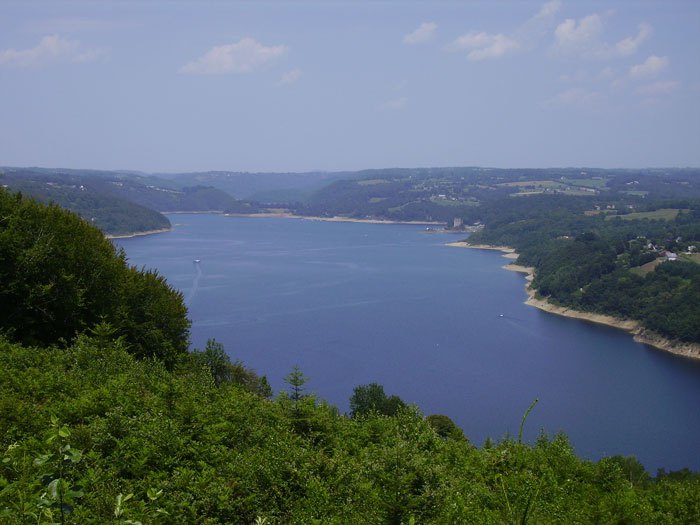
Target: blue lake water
(356,303)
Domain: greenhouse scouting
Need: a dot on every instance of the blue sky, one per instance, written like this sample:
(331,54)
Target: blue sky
(324,85)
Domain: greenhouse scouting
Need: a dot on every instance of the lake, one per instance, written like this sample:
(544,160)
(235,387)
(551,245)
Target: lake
(444,328)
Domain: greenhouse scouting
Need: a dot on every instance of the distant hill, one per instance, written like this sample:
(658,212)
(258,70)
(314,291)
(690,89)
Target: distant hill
(403,194)
(443,194)
(117,202)
(262,187)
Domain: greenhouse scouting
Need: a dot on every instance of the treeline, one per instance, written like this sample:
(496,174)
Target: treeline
(119,203)
(596,263)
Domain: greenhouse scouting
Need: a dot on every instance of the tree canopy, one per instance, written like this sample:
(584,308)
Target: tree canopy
(59,277)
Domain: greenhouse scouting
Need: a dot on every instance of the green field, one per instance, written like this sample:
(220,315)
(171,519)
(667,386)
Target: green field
(692,257)
(663,214)
(598,184)
(646,268)
(449,202)
(371,182)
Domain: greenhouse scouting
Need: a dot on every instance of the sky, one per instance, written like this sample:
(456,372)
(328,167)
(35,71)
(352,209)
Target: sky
(345,85)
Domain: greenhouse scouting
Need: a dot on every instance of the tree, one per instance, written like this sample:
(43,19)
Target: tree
(371,398)
(60,277)
(296,380)
(445,427)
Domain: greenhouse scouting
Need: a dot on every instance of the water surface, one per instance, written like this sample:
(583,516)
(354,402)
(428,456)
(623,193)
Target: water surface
(441,327)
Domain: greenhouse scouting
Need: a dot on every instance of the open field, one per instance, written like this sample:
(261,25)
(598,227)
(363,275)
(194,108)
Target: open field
(646,268)
(371,182)
(532,184)
(663,214)
(598,184)
(692,257)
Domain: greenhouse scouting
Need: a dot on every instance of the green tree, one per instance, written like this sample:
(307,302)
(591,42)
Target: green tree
(296,381)
(371,398)
(59,277)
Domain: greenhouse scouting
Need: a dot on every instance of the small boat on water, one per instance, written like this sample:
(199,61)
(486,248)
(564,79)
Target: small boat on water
(198,260)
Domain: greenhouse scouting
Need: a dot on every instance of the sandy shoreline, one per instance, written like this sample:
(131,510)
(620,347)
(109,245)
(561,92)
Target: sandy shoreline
(138,234)
(282,215)
(639,333)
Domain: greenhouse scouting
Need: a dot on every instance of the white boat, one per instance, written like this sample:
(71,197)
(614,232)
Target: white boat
(198,260)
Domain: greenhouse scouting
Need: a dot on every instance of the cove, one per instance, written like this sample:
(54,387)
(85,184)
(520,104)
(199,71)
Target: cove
(441,327)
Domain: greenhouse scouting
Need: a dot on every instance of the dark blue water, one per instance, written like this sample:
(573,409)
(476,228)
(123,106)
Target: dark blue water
(358,303)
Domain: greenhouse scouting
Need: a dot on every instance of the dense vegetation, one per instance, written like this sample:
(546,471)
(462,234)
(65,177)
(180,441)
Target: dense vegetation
(117,202)
(602,263)
(104,418)
(92,435)
(59,277)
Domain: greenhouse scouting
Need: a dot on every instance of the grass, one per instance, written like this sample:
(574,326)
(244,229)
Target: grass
(532,184)
(663,214)
(647,268)
(598,184)
(449,202)
(693,257)
(372,182)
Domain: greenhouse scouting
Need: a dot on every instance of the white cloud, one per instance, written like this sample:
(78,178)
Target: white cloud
(50,49)
(629,46)
(483,45)
(575,37)
(583,38)
(244,56)
(574,97)
(661,87)
(291,76)
(424,33)
(396,104)
(650,67)
(549,9)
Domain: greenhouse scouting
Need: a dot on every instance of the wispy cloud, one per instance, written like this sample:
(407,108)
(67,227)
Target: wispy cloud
(51,49)
(630,45)
(482,45)
(579,97)
(583,38)
(652,66)
(549,9)
(396,104)
(244,56)
(290,77)
(661,87)
(424,33)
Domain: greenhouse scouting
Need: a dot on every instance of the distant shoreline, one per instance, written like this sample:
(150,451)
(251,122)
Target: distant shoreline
(138,234)
(282,215)
(276,215)
(639,333)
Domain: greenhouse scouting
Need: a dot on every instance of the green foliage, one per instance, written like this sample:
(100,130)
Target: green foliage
(590,264)
(445,427)
(214,359)
(296,381)
(368,399)
(60,277)
(133,442)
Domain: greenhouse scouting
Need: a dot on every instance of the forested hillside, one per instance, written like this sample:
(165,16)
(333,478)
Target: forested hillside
(116,202)
(641,265)
(106,418)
